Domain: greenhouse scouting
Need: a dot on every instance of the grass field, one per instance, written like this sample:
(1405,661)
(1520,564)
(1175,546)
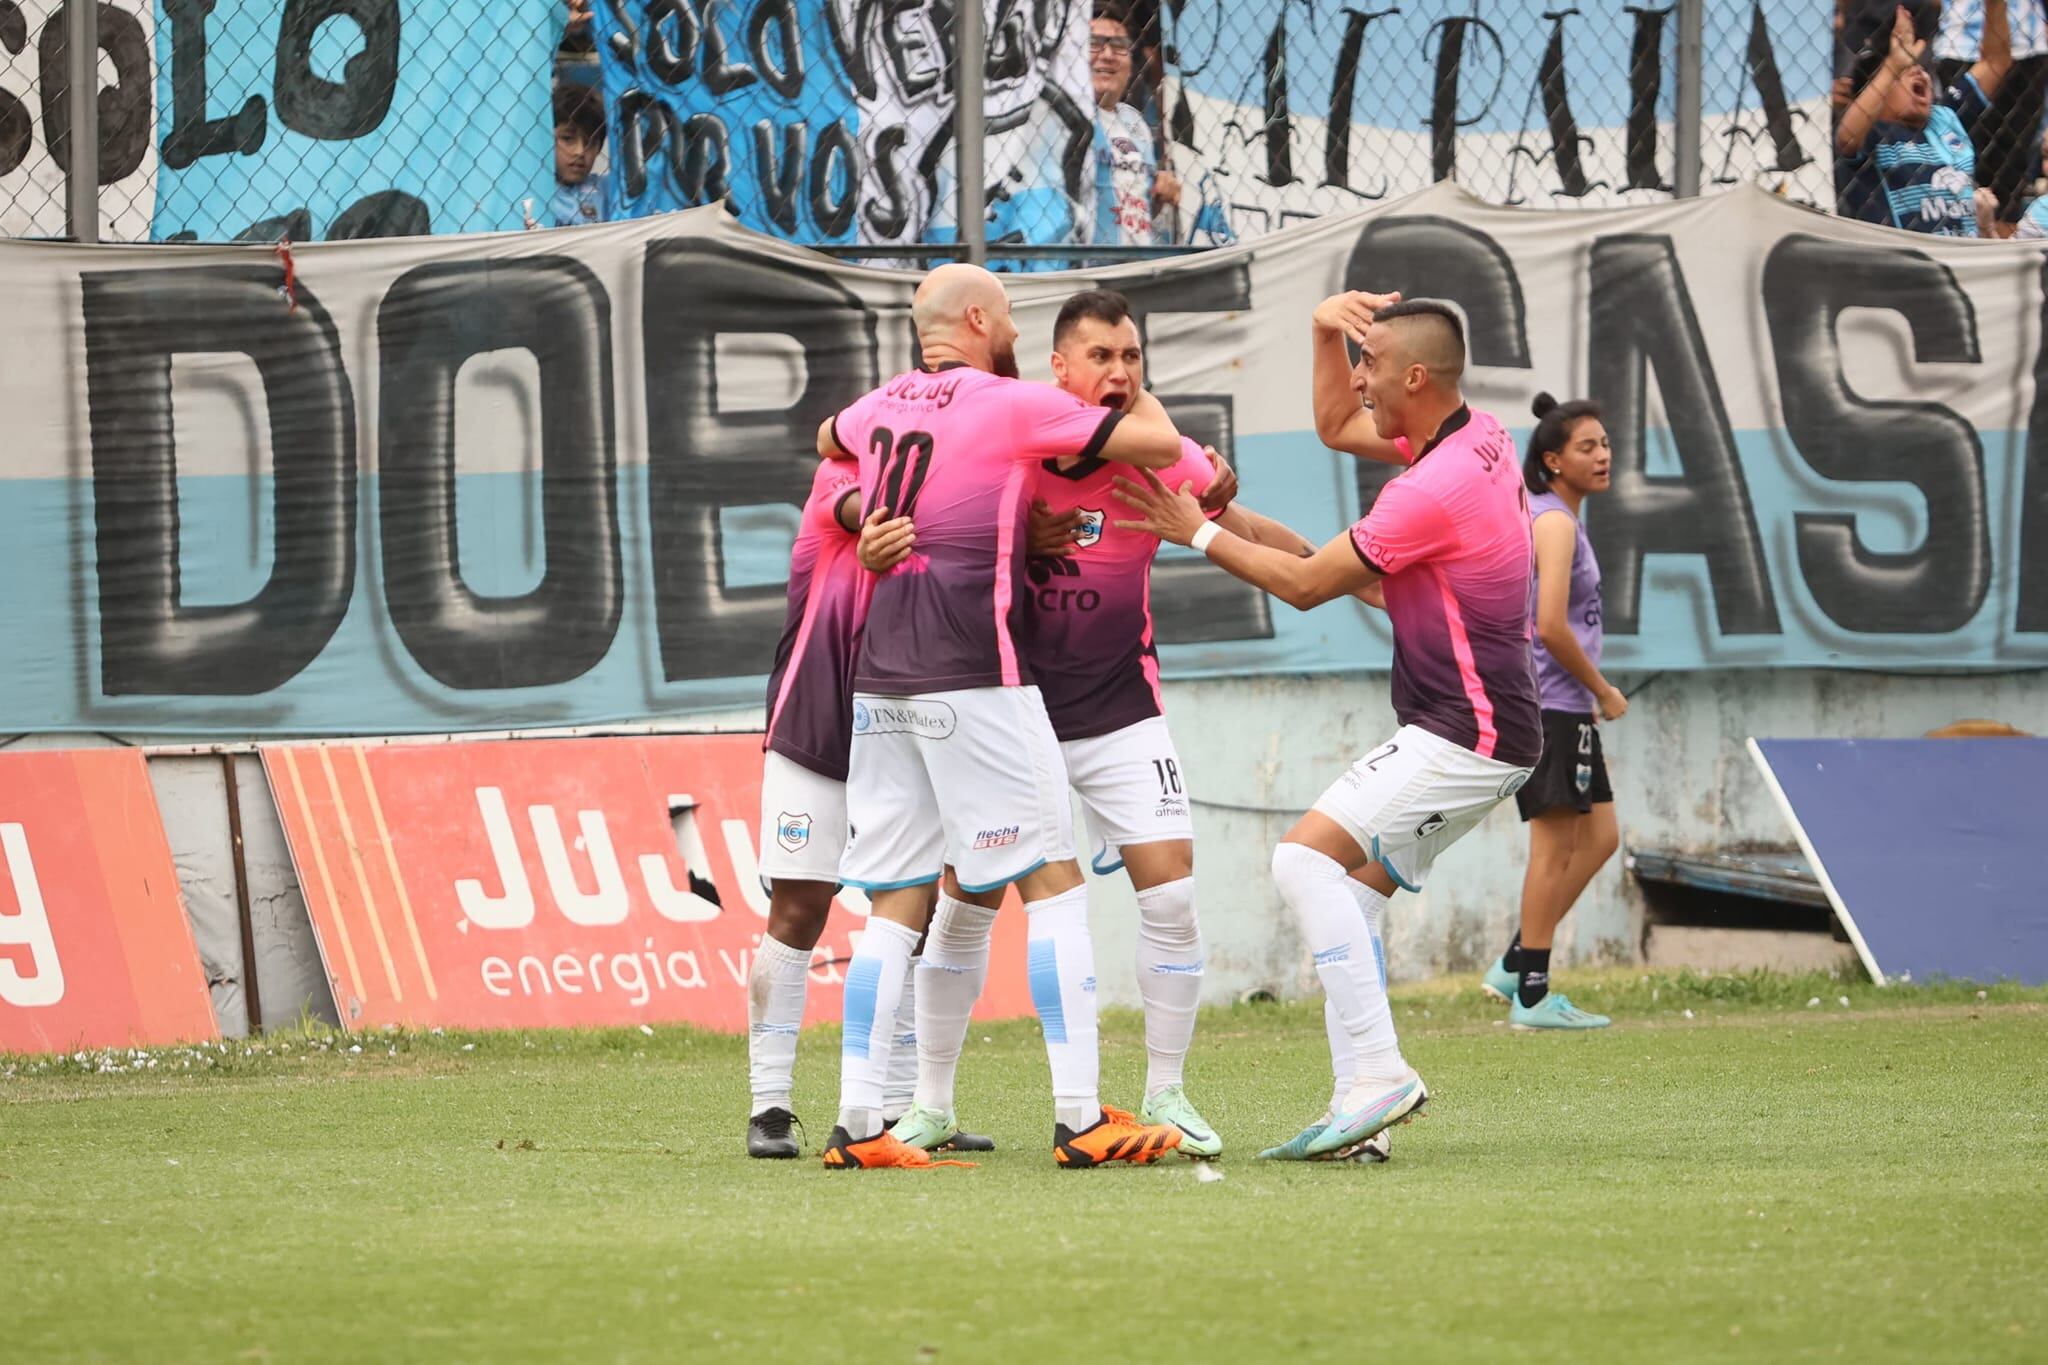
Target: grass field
(1760,1179)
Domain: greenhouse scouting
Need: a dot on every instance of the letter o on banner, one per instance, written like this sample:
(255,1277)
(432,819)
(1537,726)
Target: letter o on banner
(432,320)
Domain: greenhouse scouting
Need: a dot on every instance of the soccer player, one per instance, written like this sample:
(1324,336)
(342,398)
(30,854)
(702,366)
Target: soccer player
(1448,540)
(803,789)
(953,761)
(1568,803)
(1089,643)
(803,809)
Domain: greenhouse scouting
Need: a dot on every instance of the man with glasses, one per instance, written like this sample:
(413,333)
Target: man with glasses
(1131,197)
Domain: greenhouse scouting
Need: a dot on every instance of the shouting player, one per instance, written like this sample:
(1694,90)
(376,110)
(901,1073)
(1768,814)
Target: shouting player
(1448,540)
(953,761)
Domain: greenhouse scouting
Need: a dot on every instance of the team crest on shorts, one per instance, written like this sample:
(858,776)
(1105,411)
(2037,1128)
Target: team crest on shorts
(793,832)
(861,719)
(1516,781)
(1090,529)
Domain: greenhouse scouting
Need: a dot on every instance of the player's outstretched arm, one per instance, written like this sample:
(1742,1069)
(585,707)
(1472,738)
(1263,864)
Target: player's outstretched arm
(1242,521)
(1341,422)
(1145,437)
(1175,515)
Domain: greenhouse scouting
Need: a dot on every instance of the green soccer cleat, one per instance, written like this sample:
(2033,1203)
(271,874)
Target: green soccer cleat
(1500,983)
(930,1131)
(1197,1138)
(1296,1147)
(1554,1011)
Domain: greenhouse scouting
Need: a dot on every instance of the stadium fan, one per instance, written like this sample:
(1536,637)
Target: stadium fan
(1903,142)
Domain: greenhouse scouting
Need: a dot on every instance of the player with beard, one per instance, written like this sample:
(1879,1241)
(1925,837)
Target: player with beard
(953,761)
(1448,540)
(1091,647)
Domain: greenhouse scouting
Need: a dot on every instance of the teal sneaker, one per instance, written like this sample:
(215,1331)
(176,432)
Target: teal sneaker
(930,1131)
(1500,983)
(1355,1123)
(1374,1150)
(1554,1011)
(1197,1138)
(1296,1147)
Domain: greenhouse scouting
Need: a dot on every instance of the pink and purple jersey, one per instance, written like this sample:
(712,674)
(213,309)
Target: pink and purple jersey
(1090,628)
(810,690)
(957,449)
(1451,536)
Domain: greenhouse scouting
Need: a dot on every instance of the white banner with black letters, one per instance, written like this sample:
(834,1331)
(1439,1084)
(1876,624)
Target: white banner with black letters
(551,479)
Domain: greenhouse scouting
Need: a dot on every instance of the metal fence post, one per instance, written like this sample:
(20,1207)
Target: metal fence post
(970,56)
(1686,128)
(82,163)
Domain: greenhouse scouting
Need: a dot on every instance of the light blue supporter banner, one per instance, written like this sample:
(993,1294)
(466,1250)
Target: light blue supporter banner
(551,479)
(332,119)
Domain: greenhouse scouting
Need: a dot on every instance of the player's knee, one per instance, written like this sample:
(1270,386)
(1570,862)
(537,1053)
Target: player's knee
(797,911)
(1167,911)
(959,928)
(1299,871)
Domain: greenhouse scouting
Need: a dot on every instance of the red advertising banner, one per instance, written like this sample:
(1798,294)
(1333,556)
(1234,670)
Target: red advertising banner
(95,950)
(552,882)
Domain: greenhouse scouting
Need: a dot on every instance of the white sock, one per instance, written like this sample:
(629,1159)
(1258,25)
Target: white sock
(1316,888)
(950,978)
(1380,1056)
(1169,979)
(776,982)
(1062,971)
(874,983)
(1343,1060)
(899,1086)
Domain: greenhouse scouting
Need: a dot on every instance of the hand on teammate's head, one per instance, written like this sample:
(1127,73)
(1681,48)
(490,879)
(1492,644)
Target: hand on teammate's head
(1351,312)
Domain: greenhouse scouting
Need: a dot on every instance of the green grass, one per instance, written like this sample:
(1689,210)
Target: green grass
(1761,1180)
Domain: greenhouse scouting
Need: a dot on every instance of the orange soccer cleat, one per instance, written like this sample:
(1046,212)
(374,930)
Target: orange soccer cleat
(842,1153)
(1116,1136)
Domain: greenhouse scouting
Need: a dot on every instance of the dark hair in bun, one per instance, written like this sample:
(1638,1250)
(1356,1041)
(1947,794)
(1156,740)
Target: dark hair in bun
(1554,423)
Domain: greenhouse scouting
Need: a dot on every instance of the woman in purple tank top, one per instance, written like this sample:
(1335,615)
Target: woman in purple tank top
(1567,802)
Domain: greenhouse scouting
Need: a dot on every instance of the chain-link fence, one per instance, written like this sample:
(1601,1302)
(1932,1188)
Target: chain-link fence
(1106,128)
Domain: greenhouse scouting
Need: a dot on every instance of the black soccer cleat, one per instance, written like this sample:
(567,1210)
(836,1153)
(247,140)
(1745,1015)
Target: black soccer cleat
(769,1135)
(964,1141)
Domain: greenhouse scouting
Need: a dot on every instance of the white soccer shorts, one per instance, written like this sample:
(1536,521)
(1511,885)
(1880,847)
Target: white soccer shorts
(1132,790)
(803,822)
(1415,796)
(972,778)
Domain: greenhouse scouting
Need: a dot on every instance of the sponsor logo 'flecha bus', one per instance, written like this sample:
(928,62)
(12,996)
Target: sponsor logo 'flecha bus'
(996,838)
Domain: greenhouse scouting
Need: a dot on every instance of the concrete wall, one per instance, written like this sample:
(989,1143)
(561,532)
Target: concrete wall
(1682,779)
(192,794)
(1257,752)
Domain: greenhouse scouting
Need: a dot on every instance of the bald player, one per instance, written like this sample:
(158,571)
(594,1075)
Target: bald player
(1448,543)
(953,759)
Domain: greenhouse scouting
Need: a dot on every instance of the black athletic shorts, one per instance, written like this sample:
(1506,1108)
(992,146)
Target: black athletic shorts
(1572,774)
